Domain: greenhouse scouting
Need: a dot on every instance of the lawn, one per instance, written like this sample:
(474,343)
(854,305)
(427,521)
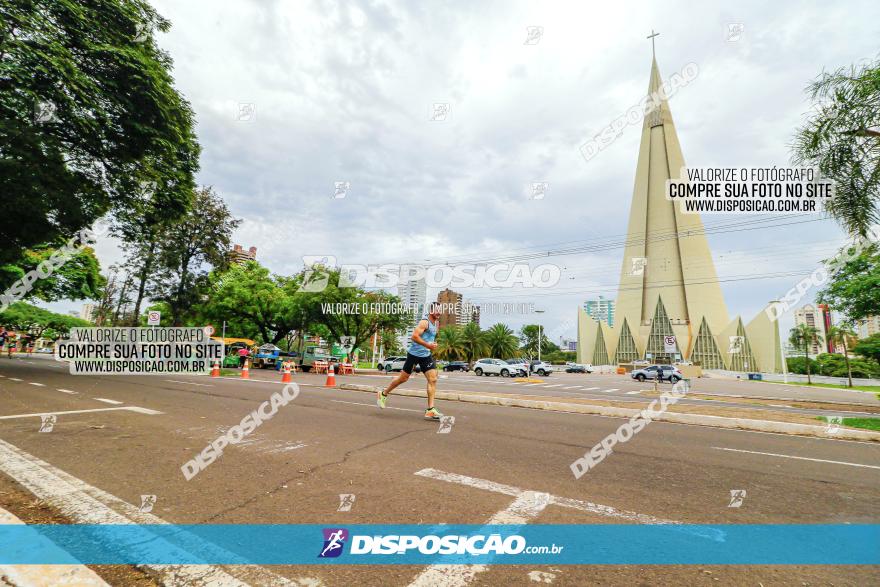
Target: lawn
(866,423)
(868,388)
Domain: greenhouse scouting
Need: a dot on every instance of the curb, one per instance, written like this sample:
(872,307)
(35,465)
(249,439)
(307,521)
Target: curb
(41,575)
(672,417)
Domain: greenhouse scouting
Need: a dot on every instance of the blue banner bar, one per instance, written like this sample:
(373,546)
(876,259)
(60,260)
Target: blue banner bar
(604,544)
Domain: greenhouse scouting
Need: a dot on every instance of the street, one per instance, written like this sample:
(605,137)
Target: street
(118,438)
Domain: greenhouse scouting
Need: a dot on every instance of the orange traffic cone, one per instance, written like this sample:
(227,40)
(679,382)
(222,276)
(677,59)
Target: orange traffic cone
(215,372)
(331,378)
(245,372)
(285,370)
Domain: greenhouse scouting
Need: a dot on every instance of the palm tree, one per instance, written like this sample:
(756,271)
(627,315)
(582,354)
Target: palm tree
(450,343)
(501,340)
(474,341)
(802,336)
(840,335)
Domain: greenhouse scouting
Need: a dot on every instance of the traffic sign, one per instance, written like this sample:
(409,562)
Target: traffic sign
(209,330)
(669,344)
(153,318)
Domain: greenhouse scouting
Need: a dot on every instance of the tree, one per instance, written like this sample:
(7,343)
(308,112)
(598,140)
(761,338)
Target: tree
(501,341)
(528,336)
(869,347)
(254,303)
(473,341)
(88,110)
(842,138)
(77,278)
(201,237)
(854,285)
(318,308)
(803,336)
(39,322)
(840,335)
(450,344)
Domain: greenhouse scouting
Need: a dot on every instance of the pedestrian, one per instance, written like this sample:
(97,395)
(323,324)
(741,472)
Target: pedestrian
(243,353)
(419,353)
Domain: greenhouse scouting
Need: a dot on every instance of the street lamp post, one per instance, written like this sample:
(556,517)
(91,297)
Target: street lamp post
(539,334)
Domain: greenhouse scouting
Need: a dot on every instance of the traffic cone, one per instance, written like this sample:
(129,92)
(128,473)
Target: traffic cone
(331,378)
(245,371)
(215,372)
(285,370)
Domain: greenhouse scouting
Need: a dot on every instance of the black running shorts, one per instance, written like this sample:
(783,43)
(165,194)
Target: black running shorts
(424,363)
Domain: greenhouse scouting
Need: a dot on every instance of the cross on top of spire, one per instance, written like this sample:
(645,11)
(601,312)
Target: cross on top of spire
(651,36)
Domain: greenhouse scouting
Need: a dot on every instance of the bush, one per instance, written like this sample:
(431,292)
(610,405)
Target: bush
(798,365)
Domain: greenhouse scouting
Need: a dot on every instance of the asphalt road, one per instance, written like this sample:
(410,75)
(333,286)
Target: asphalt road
(117,438)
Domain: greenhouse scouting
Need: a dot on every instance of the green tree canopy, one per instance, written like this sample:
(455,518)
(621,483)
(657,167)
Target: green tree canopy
(854,287)
(88,111)
(869,347)
(501,341)
(842,138)
(39,322)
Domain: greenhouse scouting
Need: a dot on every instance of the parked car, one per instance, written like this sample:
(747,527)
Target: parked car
(576,368)
(495,367)
(522,368)
(395,364)
(542,368)
(659,372)
(456,366)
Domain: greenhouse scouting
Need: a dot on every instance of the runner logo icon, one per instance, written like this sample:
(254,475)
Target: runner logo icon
(334,542)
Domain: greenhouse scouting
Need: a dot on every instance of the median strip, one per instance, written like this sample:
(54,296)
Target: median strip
(615,412)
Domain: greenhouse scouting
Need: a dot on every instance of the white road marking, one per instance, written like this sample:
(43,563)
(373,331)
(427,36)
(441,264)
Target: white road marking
(189,383)
(46,574)
(573,387)
(62,390)
(37,384)
(108,401)
(135,409)
(610,390)
(555,385)
(533,384)
(85,504)
(527,506)
(590,388)
(2,376)
(633,392)
(771,454)
(340,401)
(14,379)
(561,501)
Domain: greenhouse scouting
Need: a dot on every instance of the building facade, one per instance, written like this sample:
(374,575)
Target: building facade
(239,255)
(869,326)
(601,309)
(669,305)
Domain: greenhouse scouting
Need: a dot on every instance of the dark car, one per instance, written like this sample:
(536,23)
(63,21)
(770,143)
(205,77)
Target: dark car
(456,366)
(576,369)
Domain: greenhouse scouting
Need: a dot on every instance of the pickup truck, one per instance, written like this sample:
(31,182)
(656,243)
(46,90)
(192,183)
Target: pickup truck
(311,354)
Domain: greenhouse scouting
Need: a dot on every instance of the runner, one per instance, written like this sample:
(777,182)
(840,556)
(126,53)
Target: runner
(4,334)
(10,344)
(419,353)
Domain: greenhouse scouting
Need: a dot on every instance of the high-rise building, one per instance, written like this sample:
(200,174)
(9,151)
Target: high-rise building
(869,326)
(449,300)
(239,255)
(413,293)
(669,303)
(88,312)
(811,316)
(601,310)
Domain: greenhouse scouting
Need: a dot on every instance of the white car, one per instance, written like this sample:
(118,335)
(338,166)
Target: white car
(541,368)
(495,367)
(395,364)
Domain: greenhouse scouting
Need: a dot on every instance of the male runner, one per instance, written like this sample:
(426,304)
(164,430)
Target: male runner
(419,353)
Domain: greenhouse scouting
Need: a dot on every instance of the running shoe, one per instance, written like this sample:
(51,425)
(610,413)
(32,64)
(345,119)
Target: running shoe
(381,398)
(433,414)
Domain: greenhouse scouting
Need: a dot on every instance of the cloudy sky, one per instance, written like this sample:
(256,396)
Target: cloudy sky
(345,92)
